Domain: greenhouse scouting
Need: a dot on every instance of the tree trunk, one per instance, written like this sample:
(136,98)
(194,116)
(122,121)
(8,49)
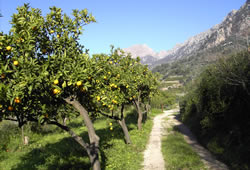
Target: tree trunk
(146,112)
(22,135)
(65,121)
(77,138)
(93,138)
(139,120)
(124,127)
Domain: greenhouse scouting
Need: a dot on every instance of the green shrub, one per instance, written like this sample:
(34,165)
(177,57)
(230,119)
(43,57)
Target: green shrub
(163,99)
(217,109)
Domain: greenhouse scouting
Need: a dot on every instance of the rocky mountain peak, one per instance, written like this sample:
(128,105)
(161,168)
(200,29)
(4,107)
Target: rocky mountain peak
(234,27)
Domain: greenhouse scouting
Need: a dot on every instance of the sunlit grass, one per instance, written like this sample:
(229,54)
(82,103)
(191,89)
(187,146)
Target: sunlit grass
(178,154)
(57,150)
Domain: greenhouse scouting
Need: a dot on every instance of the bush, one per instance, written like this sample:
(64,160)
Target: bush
(163,99)
(217,110)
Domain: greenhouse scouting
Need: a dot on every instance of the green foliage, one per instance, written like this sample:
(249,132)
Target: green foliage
(163,99)
(40,51)
(37,51)
(218,109)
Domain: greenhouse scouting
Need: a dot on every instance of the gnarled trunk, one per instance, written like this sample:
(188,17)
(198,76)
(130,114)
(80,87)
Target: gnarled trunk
(93,138)
(77,138)
(124,127)
(140,116)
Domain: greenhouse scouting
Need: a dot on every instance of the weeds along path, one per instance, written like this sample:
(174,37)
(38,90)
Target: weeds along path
(206,157)
(153,159)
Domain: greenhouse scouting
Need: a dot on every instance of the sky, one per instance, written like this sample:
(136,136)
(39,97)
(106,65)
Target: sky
(159,24)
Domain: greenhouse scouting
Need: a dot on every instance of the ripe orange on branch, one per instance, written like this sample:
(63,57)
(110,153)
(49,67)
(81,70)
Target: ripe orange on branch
(98,98)
(8,48)
(56,91)
(56,82)
(10,108)
(17,100)
(15,62)
(79,83)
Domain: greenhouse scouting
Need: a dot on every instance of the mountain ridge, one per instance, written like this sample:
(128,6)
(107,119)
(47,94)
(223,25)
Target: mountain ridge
(232,31)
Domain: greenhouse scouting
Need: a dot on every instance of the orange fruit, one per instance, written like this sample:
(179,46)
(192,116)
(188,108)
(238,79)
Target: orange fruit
(56,82)
(98,98)
(79,83)
(17,100)
(56,91)
(8,48)
(10,108)
(15,62)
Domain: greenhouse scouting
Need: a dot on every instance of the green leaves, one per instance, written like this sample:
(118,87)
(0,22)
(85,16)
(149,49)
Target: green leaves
(48,49)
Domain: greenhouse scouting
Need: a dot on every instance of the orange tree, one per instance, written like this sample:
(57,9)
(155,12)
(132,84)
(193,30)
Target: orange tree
(44,68)
(108,96)
(121,80)
(140,84)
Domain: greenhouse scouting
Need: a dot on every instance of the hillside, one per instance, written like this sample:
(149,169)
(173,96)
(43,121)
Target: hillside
(227,38)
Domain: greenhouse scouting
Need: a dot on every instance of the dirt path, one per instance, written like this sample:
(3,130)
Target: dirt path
(153,159)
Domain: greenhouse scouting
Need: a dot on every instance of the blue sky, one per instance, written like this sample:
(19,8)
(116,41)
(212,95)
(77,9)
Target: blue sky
(160,24)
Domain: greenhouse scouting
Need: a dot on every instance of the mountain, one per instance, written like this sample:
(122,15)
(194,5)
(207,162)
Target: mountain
(147,54)
(230,35)
(233,31)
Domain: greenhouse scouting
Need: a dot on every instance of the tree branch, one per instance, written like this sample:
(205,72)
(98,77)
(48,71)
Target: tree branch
(73,134)
(111,117)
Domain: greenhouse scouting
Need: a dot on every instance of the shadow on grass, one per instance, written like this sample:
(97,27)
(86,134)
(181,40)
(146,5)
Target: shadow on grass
(68,154)
(64,154)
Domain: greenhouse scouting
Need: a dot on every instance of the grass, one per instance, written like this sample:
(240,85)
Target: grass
(178,154)
(54,149)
